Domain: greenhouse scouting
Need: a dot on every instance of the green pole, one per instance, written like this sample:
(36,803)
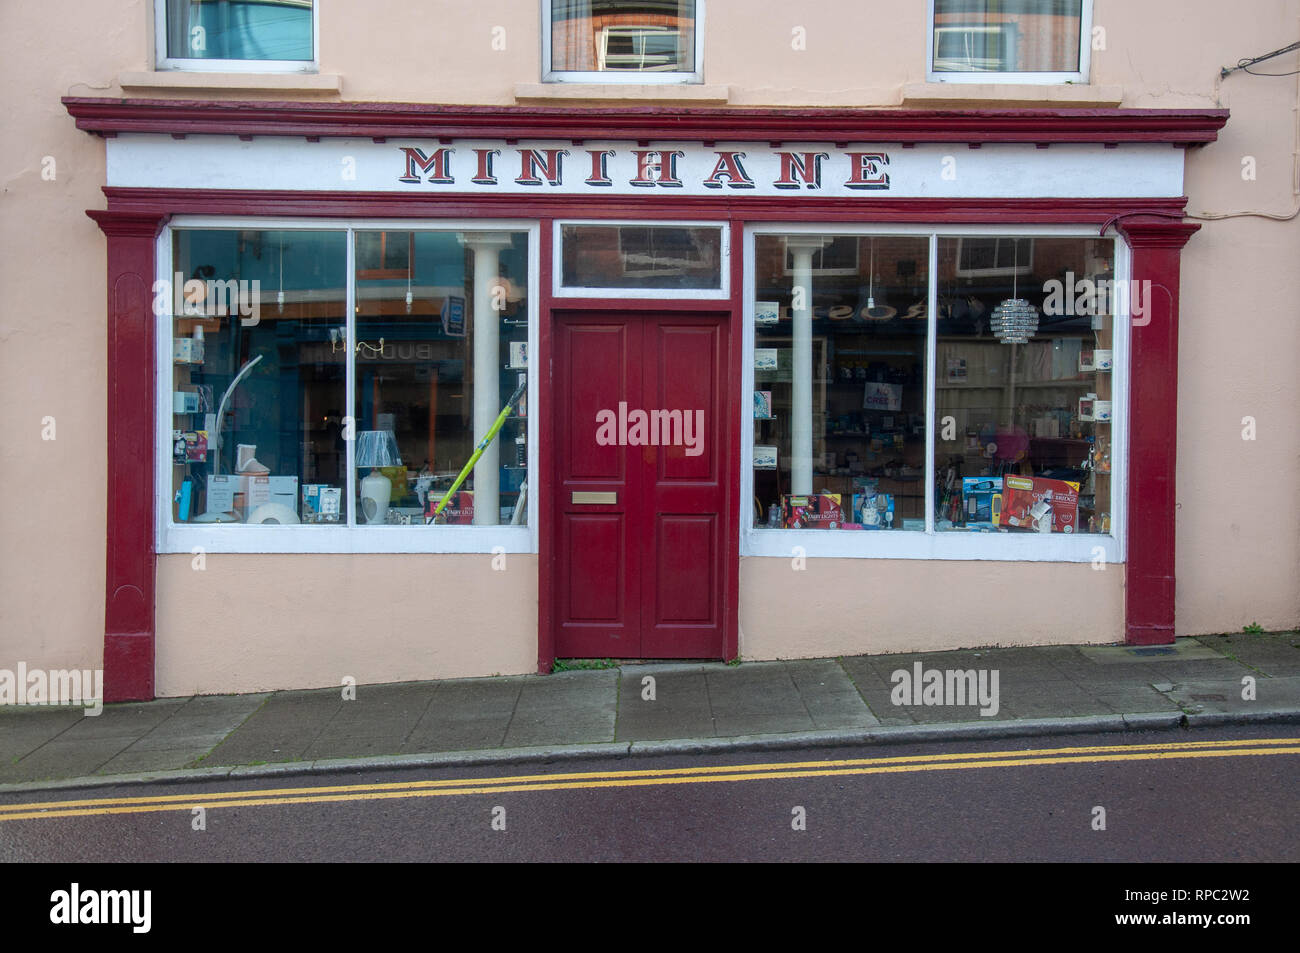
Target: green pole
(482,445)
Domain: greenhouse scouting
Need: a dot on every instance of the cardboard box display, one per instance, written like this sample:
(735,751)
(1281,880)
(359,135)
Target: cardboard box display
(816,511)
(459,510)
(321,503)
(981,500)
(1040,505)
(221,494)
(872,510)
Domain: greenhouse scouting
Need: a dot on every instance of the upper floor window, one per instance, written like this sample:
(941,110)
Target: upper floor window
(237,35)
(1023,41)
(622,41)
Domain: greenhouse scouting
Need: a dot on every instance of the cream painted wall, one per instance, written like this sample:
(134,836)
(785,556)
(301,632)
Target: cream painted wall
(878,606)
(252,623)
(1239,515)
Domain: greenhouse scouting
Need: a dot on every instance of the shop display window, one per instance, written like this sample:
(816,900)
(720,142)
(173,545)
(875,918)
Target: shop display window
(1013,431)
(840,382)
(285,412)
(1026,437)
(1022,40)
(647,40)
(222,34)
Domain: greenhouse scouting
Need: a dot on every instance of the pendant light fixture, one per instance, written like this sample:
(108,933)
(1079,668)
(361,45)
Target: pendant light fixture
(409,298)
(871,277)
(1015,320)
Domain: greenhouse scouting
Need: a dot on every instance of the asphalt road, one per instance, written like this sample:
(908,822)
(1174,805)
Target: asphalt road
(1215,795)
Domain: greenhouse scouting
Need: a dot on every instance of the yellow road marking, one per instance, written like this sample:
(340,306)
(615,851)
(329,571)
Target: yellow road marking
(641,778)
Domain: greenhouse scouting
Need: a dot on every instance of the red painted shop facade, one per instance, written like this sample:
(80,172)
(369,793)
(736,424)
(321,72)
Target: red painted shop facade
(721,222)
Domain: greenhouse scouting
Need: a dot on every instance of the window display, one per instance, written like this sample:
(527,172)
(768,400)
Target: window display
(263,431)
(1022,398)
(1024,419)
(839,378)
(259,401)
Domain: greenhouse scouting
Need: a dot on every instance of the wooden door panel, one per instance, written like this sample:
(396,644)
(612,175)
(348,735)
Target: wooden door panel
(686,496)
(686,588)
(638,567)
(598,604)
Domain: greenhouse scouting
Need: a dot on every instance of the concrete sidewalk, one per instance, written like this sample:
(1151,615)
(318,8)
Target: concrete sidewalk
(584,713)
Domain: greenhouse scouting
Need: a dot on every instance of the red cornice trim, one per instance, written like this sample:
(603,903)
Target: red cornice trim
(104,116)
(424,204)
(129,224)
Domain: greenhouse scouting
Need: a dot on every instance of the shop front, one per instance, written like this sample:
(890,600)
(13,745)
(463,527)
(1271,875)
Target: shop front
(760,383)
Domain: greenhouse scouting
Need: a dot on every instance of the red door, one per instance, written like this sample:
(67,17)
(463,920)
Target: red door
(641,489)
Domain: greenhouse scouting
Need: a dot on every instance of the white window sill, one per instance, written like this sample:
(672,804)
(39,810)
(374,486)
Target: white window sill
(622,92)
(1011,94)
(235,538)
(329,83)
(904,544)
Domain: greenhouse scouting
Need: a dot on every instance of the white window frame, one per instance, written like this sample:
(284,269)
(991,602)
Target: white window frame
(997,76)
(560,290)
(201,65)
(933,543)
(171,537)
(550,75)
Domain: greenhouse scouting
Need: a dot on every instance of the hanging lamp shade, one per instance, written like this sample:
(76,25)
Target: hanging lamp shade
(1014,321)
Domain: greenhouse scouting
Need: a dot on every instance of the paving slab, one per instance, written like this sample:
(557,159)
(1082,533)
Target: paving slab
(565,708)
(466,713)
(1272,653)
(136,758)
(378,721)
(128,721)
(282,729)
(1185,649)
(829,695)
(1224,695)
(680,708)
(24,728)
(64,759)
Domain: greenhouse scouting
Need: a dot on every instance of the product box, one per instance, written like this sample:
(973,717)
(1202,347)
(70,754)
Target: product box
(459,510)
(767,312)
(187,351)
(221,494)
(764,458)
(453,316)
(872,510)
(321,503)
(762,405)
(817,511)
(981,500)
(518,354)
(765,358)
(1040,505)
(189,446)
(185,402)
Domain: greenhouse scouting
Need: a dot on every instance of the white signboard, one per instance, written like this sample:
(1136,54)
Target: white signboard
(598,169)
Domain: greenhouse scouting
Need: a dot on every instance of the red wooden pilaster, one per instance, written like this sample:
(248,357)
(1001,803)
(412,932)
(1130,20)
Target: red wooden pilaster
(130,427)
(1157,245)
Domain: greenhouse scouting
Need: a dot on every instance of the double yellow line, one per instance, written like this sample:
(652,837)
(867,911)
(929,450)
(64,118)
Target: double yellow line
(92,807)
